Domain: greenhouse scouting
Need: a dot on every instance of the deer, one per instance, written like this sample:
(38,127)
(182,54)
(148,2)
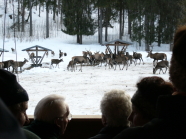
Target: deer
(160,65)
(1,65)
(98,58)
(52,53)
(157,56)
(13,50)
(80,60)
(121,60)
(16,64)
(137,56)
(56,61)
(32,55)
(60,54)
(110,62)
(71,65)
(7,64)
(130,58)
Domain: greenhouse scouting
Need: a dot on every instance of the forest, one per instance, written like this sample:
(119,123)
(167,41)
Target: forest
(146,20)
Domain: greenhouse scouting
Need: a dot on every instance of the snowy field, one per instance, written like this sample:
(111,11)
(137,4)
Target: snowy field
(82,90)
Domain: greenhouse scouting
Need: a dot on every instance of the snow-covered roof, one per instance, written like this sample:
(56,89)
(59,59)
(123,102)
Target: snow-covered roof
(41,48)
(1,50)
(117,40)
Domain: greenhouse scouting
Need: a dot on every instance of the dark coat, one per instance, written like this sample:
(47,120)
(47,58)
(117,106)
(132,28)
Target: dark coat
(170,124)
(43,130)
(108,132)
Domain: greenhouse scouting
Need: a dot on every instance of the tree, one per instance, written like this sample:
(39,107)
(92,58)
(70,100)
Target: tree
(78,21)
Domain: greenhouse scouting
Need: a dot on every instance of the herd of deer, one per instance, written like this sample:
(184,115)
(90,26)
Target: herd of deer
(113,60)
(97,58)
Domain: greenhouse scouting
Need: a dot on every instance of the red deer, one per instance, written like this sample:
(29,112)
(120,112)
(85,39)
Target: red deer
(7,64)
(71,66)
(130,57)
(160,65)
(80,60)
(56,61)
(157,56)
(137,56)
(17,64)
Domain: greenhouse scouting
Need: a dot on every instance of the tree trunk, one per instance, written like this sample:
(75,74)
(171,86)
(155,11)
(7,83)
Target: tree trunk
(123,25)
(18,15)
(120,23)
(101,19)
(129,24)
(47,20)
(146,33)
(23,17)
(30,4)
(39,9)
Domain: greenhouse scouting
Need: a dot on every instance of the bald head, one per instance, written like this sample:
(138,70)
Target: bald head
(50,107)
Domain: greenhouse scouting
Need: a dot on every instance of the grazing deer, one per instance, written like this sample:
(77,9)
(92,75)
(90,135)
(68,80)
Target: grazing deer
(60,54)
(7,64)
(56,61)
(137,56)
(52,53)
(160,65)
(157,56)
(1,65)
(85,53)
(32,55)
(13,50)
(17,64)
(80,60)
(71,65)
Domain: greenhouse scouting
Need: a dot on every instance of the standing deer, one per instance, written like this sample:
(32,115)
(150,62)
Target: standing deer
(7,64)
(52,53)
(56,61)
(121,60)
(157,56)
(17,64)
(80,60)
(137,56)
(130,57)
(60,54)
(160,65)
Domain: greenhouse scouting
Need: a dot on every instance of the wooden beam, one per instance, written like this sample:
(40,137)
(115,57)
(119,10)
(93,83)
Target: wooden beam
(117,44)
(35,50)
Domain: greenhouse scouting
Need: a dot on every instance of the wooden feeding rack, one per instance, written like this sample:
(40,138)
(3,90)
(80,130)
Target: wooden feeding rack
(116,44)
(2,50)
(36,59)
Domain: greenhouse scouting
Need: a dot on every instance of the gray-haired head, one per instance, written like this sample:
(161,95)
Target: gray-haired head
(116,107)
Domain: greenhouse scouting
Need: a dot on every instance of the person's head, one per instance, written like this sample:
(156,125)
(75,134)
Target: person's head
(145,98)
(178,61)
(52,109)
(115,108)
(14,96)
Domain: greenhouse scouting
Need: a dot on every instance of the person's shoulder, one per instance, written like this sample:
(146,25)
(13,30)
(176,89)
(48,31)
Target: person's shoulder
(29,134)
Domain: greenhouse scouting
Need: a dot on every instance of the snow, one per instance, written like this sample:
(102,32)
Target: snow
(82,90)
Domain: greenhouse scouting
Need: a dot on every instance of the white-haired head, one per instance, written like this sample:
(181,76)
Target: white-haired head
(116,107)
(50,107)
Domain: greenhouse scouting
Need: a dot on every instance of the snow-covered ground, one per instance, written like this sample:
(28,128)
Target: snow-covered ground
(82,90)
